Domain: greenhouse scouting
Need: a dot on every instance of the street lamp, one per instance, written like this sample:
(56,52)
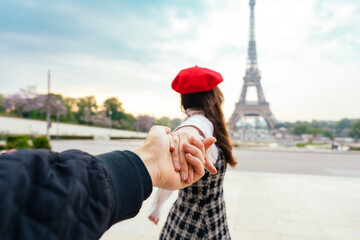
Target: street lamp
(110,124)
(48,109)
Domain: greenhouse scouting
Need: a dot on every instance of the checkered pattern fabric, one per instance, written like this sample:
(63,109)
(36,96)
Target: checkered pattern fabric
(199,212)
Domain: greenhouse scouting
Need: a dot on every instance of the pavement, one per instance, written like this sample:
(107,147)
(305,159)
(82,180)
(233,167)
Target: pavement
(264,205)
(267,206)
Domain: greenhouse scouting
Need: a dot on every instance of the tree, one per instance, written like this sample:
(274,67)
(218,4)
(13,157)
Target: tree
(119,117)
(113,109)
(329,134)
(342,125)
(164,121)
(300,128)
(355,130)
(114,105)
(14,104)
(175,123)
(29,104)
(72,108)
(2,107)
(143,123)
(36,107)
(21,104)
(87,106)
(127,121)
(315,131)
(57,106)
(100,119)
(287,125)
(317,124)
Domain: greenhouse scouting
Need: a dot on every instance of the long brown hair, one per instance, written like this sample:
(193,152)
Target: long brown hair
(210,103)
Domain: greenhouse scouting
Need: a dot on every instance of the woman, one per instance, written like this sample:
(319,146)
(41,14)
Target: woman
(199,211)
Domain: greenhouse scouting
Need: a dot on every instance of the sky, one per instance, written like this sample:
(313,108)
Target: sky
(308,51)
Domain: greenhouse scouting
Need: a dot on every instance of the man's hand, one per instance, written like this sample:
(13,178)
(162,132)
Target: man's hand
(157,159)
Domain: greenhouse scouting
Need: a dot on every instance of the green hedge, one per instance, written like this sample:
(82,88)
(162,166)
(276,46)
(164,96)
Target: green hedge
(355,149)
(41,142)
(309,144)
(17,142)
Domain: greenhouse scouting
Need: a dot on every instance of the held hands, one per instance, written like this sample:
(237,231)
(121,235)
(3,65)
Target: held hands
(189,145)
(159,160)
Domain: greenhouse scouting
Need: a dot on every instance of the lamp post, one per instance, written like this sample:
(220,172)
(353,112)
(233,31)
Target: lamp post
(110,124)
(48,123)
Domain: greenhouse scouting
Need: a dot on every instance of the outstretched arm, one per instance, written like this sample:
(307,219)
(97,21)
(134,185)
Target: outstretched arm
(69,195)
(83,194)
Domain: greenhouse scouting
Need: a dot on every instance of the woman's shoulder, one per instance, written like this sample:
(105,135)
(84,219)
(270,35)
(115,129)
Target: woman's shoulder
(200,122)
(198,117)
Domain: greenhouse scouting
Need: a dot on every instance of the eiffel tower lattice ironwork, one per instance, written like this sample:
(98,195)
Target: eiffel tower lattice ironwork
(252,79)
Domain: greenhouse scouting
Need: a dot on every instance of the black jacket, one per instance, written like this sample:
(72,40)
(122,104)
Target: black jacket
(68,195)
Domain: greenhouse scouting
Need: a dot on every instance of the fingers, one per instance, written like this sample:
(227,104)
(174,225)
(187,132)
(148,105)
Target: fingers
(190,178)
(167,130)
(194,151)
(183,138)
(199,144)
(196,147)
(171,142)
(196,155)
(183,163)
(154,220)
(175,152)
(155,130)
(210,166)
(197,166)
(208,163)
(204,158)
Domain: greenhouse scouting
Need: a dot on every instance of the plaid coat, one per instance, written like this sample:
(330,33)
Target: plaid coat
(199,212)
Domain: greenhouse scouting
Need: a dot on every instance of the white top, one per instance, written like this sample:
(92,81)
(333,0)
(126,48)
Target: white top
(206,129)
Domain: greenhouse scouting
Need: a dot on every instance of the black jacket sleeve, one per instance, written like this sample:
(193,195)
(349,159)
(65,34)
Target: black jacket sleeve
(68,195)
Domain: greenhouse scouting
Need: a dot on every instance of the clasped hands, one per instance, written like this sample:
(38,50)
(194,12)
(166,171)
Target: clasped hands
(187,148)
(175,160)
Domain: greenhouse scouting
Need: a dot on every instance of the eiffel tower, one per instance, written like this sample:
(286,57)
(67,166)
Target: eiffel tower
(252,79)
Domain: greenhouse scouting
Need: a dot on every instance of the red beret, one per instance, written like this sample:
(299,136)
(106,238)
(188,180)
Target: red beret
(196,79)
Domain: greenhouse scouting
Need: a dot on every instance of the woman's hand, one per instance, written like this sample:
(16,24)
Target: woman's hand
(180,159)
(154,220)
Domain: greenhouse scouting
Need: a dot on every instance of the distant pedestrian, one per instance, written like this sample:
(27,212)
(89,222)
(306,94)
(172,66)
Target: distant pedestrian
(334,145)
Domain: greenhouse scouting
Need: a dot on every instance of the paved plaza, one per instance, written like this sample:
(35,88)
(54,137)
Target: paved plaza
(277,194)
